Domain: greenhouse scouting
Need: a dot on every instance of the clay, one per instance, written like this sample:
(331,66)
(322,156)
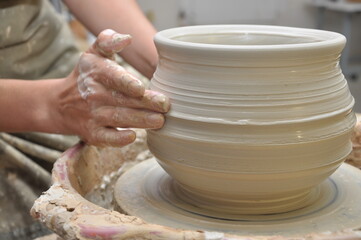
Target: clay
(63,209)
(260,115)
(274,110)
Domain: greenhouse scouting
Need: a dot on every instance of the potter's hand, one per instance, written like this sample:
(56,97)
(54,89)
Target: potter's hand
(101,96)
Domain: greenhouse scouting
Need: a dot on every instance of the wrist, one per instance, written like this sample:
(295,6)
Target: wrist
(49,117)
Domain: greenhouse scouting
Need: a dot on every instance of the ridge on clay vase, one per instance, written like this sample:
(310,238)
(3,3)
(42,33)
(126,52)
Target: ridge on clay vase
(260,116)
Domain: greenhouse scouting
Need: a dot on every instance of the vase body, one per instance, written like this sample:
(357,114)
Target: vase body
(260,115)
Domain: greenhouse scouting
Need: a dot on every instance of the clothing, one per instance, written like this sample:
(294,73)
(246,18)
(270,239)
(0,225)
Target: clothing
(35,41)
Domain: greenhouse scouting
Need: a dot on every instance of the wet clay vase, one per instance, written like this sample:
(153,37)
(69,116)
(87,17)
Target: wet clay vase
(260,115)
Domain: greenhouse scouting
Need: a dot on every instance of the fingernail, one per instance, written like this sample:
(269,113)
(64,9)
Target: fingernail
(120,37)
(135,87)
(129,135)
(155,120)
(162,102)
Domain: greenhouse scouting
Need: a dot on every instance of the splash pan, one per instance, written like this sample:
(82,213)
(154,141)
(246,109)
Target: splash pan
(149,192)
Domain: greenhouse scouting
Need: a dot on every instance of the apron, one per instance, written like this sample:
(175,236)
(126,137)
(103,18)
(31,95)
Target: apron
(35,41)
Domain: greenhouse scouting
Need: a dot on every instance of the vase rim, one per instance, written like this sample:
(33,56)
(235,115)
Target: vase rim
(248,38)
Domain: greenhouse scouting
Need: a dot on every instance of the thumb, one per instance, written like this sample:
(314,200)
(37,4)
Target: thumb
(108,43)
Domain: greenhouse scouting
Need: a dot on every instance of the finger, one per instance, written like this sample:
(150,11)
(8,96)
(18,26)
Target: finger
(157,100)
(112,137)
(151,100)
(127,117)
(108,43)
(125,83)
(110,74)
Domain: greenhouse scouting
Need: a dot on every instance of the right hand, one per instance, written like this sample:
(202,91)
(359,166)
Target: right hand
(100,96)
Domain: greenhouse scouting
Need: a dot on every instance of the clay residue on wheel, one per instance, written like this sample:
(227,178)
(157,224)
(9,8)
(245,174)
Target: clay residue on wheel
(102,194)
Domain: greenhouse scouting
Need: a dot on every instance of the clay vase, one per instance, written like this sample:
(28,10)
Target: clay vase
(260,115)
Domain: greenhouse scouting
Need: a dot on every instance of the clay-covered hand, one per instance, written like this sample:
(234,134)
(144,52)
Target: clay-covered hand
(100,96)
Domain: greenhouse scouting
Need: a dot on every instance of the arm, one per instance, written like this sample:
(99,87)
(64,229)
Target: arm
(95,99)
(26,105)
(123,16)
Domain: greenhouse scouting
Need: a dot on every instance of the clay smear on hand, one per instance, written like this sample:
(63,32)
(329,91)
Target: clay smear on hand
(85,83)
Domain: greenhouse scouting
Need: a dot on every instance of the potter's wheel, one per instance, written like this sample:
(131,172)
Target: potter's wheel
(148,192)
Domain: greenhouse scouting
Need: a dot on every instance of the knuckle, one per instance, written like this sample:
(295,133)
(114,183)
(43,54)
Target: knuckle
(137,119)
(105,33)
(98,138)
(114,69)
(92,96)
(124,77)
(87,62)
(119,116)
(100,118)
(85,57)
(121,100)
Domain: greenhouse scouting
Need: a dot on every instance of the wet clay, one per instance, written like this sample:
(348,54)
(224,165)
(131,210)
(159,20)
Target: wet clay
(67,213)
(254,125)
(260,115)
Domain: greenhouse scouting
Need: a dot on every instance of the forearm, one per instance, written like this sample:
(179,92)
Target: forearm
(123,16)
(26,105)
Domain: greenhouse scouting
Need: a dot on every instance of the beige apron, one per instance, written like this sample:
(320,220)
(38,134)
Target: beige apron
(35,42)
